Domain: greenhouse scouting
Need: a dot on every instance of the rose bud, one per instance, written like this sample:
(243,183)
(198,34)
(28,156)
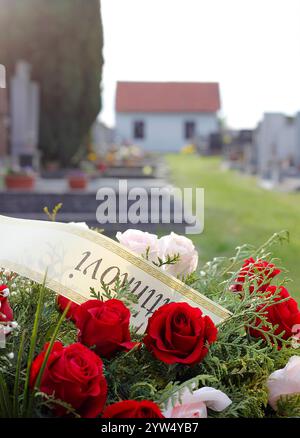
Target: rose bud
(258,272)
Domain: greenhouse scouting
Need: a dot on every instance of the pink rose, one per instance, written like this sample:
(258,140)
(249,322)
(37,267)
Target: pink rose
(140,242)
(284,381)
(188,256)
(195,404)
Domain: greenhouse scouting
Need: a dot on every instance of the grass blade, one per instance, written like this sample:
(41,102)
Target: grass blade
(32,347)
(4,399)
(46,357)
(17,377)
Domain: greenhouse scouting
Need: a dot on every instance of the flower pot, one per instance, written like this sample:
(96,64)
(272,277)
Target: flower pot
(78,182)
(130,162)
(52,166)
(101,167)
(20,182)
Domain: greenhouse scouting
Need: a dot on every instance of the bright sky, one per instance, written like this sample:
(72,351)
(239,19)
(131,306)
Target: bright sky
(251,47)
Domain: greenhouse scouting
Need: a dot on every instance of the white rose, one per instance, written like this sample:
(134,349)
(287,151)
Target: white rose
(195,404)
(284,381)
(140,242)
(188,256)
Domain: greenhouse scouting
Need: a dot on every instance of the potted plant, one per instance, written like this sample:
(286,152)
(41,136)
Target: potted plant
(21,179)
(101,167)
(77,180)
(52,166)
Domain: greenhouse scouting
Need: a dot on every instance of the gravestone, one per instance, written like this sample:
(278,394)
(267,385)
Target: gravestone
(3,113)
(24,112)
(276,171)
(2,76)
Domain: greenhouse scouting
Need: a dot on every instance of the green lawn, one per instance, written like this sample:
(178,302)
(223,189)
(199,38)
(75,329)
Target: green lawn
(238,211)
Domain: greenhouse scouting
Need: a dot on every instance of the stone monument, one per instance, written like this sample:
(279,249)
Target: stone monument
(3,113)
(24,116)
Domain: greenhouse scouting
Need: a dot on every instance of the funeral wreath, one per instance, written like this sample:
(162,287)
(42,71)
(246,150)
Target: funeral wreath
(62,359)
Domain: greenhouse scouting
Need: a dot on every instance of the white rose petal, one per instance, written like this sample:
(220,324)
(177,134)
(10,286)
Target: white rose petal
(284,381)
(188,256)
(195,404)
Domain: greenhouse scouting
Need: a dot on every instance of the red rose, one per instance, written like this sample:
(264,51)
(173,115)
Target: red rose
(133,409)
(284,314)
(74,374)
(104,325)
(62,303)
(6,313)
(259,272)
(179,333)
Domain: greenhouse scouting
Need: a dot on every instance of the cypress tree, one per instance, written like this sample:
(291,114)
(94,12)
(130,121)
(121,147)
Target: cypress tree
(62,40)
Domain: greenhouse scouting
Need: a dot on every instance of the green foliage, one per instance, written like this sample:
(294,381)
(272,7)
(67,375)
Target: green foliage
(236,364)
(170,260)
(120,290)
(62,40)
(35,309)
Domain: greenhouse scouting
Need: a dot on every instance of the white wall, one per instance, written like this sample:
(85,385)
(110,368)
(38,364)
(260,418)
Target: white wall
(164,132)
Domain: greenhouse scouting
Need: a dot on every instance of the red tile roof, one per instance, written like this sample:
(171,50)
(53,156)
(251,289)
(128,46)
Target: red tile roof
(167,97)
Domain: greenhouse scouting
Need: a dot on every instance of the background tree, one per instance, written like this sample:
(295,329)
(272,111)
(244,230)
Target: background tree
(62,40)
